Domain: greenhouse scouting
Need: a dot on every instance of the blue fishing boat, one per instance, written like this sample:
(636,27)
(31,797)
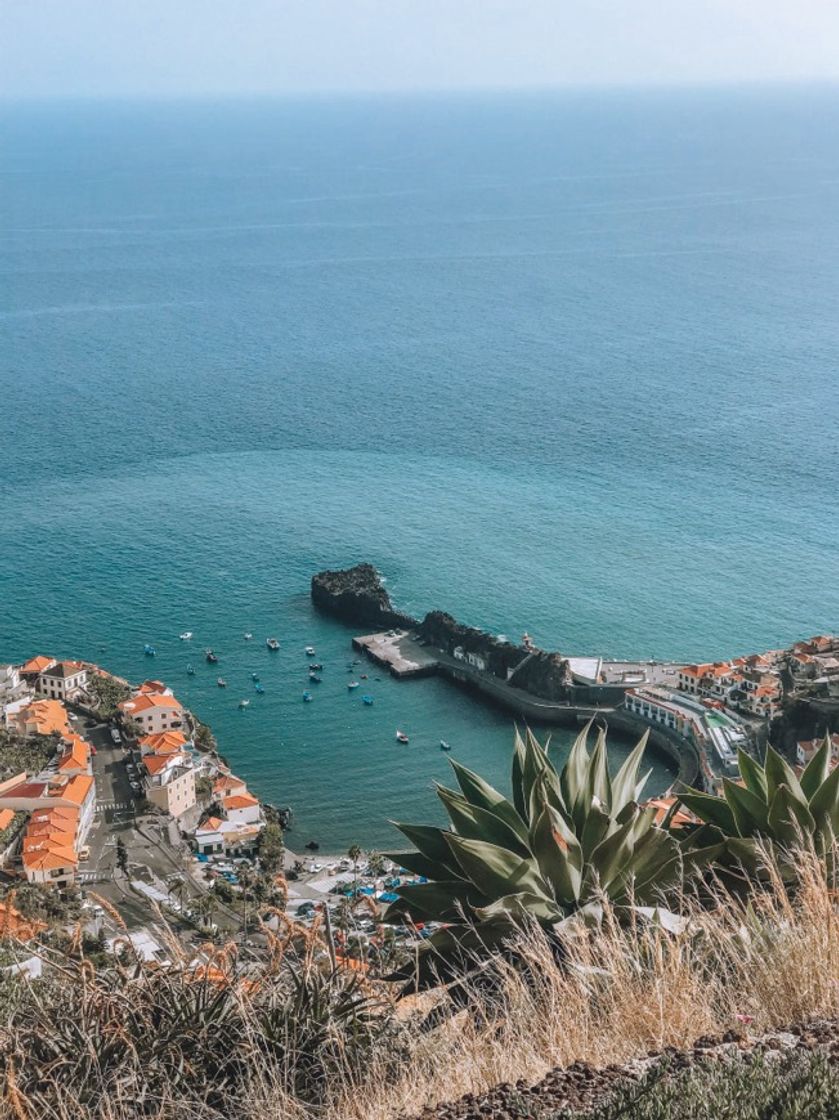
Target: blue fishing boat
(149,651)
(259,688)
(307,697)
(367,700)
(314,678)
(254,676)
(190,672)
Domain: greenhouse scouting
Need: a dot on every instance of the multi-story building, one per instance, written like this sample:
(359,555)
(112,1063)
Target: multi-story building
(63,680)
(170,782)
(154,712)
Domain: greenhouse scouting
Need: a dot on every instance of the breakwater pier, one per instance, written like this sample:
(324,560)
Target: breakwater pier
(539,686)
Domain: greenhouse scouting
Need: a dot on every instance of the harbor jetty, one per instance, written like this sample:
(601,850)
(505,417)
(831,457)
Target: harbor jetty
(538,685)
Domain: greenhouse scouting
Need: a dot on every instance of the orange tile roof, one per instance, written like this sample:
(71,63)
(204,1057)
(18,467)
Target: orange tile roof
(55,813)
(152,686)
(157,763)
(211,824)
(6,818)
(239,801)
(48,716)
(50,860)
(37,664)
(76,757)
(164,742)
(146,700)
(229,782)
(75,789)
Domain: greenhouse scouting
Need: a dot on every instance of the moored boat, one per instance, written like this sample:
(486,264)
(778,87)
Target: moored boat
(221,682)
(190,672)
(187,634)
(367,700)
(315,667)
(254,676)
(444,746)
(314,678)
(259,688)
(247,635)
(272,643)
(352,684)
(401,737)
(244,703)
(149,651)
(211,656)
(307,697)
(310,651)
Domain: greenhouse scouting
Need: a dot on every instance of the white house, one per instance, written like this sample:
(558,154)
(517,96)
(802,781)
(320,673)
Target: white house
(65,680)
(153,712)
(242,808)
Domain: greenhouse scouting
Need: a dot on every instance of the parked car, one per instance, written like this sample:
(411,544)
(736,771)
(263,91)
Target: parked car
(115,736)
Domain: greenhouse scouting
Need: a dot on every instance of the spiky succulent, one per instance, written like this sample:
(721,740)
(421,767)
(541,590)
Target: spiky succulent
(564,842)
(772,807)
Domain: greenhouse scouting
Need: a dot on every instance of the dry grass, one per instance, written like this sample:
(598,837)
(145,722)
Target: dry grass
(623,990)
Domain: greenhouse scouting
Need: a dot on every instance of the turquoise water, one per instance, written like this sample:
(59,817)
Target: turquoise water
(565,364)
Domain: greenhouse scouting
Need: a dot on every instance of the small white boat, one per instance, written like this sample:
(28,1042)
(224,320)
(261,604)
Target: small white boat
(247,635)
(401,737)
(244,703)
(272,643)
(352,684)
(310,651)
(187,634)
(444,746)
(221,682)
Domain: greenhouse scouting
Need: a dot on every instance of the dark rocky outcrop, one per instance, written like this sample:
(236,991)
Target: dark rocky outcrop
(537,672)
(357,596)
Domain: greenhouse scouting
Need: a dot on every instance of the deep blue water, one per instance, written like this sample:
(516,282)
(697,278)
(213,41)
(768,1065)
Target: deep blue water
(563,363)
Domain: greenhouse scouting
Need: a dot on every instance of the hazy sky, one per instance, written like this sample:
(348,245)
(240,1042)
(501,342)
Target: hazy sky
(160,47)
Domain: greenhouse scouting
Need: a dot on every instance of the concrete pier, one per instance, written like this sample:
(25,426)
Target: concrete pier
(399,653)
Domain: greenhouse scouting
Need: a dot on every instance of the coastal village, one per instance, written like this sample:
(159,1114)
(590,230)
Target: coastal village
(113,794)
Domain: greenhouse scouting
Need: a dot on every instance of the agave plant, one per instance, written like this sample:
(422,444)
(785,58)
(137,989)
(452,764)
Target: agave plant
(565,841)
(772,807)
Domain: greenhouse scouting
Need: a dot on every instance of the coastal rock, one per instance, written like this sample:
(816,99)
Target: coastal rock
(538,672)
(358,596)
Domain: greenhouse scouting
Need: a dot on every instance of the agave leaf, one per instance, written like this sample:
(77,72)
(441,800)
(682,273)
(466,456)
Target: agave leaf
(595,827)
(788,819)
(714,810)
(535,765)
(421,865)
(750,812)
(753,775)
(611,856)
(780,773)
(558,854)
(745,852)
(440,902)
(518,776)
(484,796)
(817,769)
(824,803)
(625,782)
(521,906)
(497,871)
(574,772)
(479,824)
(598,783)
(430,842)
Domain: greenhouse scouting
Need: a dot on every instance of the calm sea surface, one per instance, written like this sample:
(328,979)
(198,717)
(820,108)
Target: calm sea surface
(566,364)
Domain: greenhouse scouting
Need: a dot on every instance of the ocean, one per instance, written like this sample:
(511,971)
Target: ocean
(564,363)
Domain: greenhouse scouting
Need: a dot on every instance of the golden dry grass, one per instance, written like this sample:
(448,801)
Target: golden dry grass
(623,990)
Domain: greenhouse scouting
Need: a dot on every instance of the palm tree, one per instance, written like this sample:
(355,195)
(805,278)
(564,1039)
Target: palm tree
(354,854)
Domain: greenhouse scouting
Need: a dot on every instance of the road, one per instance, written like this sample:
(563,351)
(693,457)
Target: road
(149,852)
